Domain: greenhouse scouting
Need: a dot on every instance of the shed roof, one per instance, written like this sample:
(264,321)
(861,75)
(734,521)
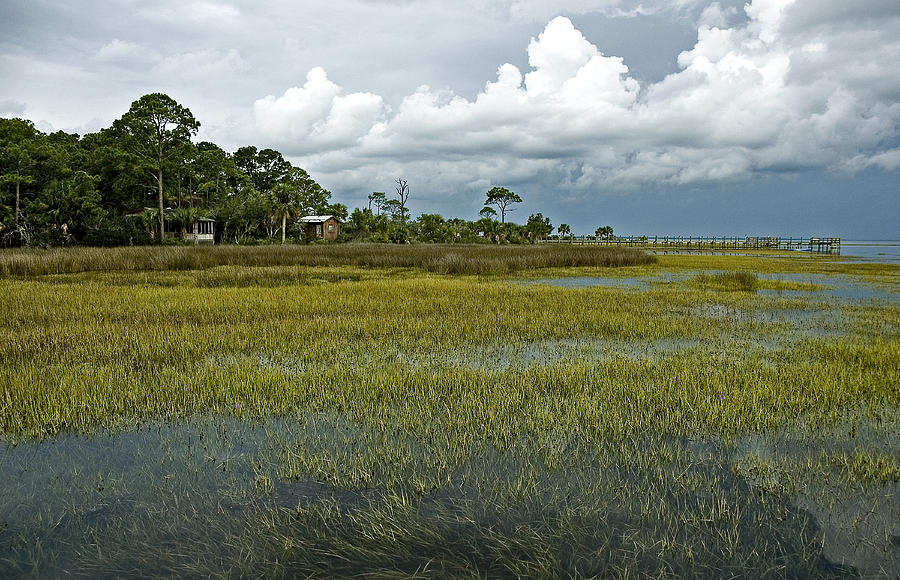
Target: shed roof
(318,219)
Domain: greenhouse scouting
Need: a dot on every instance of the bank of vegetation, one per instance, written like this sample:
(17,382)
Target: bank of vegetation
(444,259)
(144,178)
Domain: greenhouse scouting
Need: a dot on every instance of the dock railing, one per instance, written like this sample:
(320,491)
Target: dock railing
(823,245)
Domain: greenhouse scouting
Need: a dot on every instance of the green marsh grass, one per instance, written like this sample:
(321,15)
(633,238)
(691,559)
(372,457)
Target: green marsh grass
(343,418)
(439,258)
(732,281)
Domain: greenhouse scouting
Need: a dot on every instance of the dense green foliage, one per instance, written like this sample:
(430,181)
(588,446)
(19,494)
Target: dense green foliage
(114,186)
(117,186)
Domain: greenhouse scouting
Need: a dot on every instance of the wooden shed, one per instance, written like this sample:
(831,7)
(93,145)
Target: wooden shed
(325,227)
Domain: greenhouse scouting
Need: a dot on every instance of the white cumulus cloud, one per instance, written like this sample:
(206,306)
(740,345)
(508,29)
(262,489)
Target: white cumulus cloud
(317,115)
(791,86)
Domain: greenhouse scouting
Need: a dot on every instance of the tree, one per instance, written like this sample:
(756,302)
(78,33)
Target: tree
(149,218)
(123,185)
(392,208)
(297,193)
(338,210)
(487,228)
(19,159)
(604,233)
(214,171)
(68,210)
(564,230)
(538,227)
(488,213)
(242,213)
(377,198)
(288,190)
(183,217)
(502,198)
(315,197)
(157,130)
(18,144)
(265,168)
(433,228)
(286,199)
(402,196)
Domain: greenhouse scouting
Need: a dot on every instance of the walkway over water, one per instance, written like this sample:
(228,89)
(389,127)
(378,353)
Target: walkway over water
(819,245)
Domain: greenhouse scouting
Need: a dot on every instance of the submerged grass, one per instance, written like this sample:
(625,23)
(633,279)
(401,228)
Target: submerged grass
(404,420)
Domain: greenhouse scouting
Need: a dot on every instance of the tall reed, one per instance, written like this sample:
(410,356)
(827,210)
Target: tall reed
(439,258)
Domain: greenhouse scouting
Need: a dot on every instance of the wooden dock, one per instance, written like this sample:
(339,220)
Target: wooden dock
(704,243)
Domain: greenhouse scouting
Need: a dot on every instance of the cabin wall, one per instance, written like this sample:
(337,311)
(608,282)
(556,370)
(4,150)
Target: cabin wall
(330,229)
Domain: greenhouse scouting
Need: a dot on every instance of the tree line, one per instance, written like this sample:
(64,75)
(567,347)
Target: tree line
(119,185)
(122,184)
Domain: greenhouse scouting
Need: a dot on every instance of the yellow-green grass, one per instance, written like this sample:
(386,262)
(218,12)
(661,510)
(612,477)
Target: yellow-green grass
(83,352)
(602,456)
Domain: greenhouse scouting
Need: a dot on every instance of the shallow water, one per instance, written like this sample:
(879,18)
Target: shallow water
(879,251)
(859,521)
(219,496)
(848,289)
(504,357)
(188,497)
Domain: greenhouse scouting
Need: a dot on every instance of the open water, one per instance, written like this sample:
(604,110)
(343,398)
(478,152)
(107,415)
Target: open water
(881,251)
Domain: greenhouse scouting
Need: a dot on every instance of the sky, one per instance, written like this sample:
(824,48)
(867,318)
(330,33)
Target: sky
(685,117)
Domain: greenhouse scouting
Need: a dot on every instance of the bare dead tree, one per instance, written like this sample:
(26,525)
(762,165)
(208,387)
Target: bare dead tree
(402,196)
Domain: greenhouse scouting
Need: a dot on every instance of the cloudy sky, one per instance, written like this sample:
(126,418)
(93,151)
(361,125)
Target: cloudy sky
(771,117)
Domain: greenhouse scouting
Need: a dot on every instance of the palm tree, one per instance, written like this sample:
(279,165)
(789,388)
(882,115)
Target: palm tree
(286,199)
(185,216)
(604,233)
(150,217)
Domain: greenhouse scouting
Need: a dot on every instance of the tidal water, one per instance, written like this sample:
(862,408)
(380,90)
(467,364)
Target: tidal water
(205,496)
(218,496)
(880,251)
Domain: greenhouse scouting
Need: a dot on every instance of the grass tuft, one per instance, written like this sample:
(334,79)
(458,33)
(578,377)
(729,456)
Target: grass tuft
(728,281)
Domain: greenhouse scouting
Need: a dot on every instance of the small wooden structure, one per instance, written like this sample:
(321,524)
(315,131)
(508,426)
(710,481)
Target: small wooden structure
(324,227)
(201,231)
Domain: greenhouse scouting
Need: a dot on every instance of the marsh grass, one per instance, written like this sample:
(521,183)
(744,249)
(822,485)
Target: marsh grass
(403,421)
(202,500)
(438,258)
(728,281)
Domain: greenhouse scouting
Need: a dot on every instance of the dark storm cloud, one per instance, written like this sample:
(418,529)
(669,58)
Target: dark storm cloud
(617,97)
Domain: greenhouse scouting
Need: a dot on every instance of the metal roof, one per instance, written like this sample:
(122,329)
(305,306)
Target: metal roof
(312,219)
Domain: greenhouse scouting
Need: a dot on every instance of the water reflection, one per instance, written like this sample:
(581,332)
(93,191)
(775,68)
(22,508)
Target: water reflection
(199,496)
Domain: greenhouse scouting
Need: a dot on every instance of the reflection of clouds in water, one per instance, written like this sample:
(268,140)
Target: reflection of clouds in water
(208,472)
(860,527)
(841,287)
(504,357)
(859,520)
